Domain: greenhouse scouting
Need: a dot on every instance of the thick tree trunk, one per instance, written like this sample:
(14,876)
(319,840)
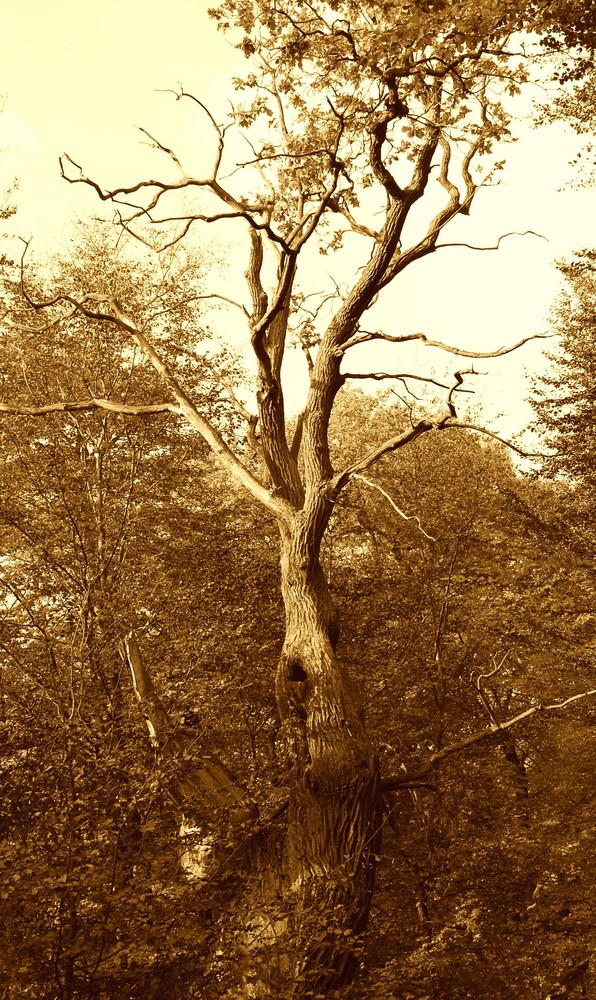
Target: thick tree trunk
(301,930)
(334,810)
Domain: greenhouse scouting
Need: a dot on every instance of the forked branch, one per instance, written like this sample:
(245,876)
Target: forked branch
(111,312)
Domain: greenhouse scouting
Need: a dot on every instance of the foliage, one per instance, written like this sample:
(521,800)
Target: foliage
(90,861)
(7,208)
(477,873)
(467,856)
(564,406)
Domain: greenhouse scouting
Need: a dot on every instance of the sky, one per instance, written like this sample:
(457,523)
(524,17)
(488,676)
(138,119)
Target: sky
(80,77)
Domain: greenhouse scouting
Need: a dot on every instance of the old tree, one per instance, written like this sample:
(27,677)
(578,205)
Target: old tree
(360,127)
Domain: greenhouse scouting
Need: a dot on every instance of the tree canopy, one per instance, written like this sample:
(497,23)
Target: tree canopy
(565,404)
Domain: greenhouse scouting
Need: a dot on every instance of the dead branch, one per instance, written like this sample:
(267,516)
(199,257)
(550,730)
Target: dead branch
(203,781)
(406,517)
(450,425)
(386,448)
(77,406)
(398,377)
(156,189)
(495,246)
(396,781)
(156,144)
(366,336)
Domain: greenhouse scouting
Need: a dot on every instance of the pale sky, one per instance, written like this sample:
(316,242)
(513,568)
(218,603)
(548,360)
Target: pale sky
(78,77)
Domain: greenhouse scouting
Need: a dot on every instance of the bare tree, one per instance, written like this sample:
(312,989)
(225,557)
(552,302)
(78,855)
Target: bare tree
(365,124)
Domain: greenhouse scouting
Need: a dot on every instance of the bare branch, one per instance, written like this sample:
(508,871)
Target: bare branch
(155,190)
(280,299)
(77,406)
(65,160)
(367,335)
(457,387)
(201,298)
(495,246)
(406,517)
(452,207)
(395,781)
(203,781)
(399,377)
(156,144)
(389,446)
(218,129)
(224,298)
(448,425)
(166,245)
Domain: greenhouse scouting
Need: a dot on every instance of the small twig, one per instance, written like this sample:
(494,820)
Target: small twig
(406,517)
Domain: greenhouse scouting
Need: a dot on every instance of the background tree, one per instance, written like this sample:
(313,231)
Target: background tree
(7,208)
(85,805)
(564,406)
(464,852)
(575,104)
(496,614)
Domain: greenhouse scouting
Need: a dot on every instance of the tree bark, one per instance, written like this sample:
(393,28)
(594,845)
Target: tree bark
(302,928)
(334,807)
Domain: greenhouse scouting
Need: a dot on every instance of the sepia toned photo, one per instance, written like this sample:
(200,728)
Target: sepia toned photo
(297,500)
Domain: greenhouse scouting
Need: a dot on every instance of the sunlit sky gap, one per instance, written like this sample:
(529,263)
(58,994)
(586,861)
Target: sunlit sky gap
(79,78)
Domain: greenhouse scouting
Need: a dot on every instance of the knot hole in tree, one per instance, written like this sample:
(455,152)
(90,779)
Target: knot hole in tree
(296,671)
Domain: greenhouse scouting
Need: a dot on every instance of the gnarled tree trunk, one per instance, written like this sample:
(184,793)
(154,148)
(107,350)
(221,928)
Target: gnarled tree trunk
(334,810)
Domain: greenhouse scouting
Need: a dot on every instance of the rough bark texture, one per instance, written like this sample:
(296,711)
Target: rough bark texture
(333,821)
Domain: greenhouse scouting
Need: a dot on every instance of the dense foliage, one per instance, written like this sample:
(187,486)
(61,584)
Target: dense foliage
(565,405)
(486,875)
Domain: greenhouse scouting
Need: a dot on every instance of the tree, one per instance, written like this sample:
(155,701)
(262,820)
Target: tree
(7,206)
(363,123)
(565,404)
(84,803)
(575,104)
(484,618)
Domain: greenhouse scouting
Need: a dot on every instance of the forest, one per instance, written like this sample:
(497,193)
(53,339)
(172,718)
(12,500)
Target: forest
(297,688)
